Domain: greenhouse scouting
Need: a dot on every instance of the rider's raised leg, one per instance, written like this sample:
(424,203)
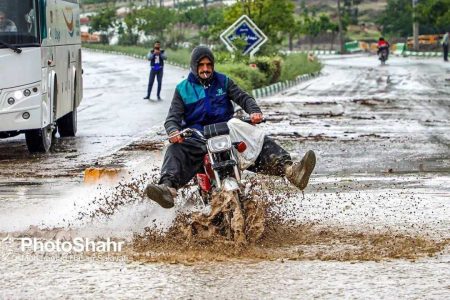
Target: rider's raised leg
(274,160)
(181,163)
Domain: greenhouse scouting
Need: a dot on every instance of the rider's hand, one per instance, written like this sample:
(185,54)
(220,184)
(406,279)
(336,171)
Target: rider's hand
(175,137)
(256,118)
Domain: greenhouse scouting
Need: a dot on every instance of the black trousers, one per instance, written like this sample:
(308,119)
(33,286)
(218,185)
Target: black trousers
(445,48)
(158,74)
(183,161)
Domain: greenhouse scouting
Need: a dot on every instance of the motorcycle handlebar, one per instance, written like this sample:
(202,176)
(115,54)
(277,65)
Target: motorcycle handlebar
(249,120)
(188,132)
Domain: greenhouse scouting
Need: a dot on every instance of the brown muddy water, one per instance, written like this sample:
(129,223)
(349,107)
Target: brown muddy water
(297,256)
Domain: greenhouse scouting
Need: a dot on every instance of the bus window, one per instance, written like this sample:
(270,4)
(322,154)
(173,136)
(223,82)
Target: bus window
(18,23)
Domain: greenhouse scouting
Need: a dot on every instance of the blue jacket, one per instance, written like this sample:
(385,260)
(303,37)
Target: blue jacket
(156,61)
(195,105)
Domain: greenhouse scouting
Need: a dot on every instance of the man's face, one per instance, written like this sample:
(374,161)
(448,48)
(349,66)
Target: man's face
(157,46)
(205,68)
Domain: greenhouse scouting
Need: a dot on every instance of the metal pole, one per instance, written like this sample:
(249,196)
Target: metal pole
(415,27)
(341,29)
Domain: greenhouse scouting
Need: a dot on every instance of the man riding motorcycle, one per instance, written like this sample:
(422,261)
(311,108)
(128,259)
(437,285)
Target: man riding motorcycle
(383,45)
(204,98)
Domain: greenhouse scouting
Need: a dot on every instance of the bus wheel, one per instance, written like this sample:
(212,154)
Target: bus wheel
(39,140)
(67,125)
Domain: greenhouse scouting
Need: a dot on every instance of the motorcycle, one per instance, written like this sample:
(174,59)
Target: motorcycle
(383,55)
(233,214)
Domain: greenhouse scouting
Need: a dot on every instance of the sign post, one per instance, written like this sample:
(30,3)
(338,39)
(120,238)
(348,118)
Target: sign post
(245,29)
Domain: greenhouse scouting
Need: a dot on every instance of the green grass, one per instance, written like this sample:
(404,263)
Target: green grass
(298,64)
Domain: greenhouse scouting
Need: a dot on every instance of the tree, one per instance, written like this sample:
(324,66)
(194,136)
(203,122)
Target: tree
(273,17)
(434,13)
(397,18)
(103,21)
(154,20)
(350,11)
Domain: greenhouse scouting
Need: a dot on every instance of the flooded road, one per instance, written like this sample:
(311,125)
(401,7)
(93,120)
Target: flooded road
(374,222)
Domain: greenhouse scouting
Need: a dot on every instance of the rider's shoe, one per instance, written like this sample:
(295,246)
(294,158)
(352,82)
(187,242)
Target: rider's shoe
(161,194)
(298,173)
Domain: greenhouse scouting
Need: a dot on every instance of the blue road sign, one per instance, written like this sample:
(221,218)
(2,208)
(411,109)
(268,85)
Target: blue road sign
(245,29)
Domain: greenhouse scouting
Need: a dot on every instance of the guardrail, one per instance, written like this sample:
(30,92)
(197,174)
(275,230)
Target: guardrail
(281,86)
(423,54)
(315,52)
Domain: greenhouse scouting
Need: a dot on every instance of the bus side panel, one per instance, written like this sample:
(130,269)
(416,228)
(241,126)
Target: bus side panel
(63,22)
(62,48)
(67,70)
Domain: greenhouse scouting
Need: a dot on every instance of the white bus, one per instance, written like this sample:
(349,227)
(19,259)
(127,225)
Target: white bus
(40,70)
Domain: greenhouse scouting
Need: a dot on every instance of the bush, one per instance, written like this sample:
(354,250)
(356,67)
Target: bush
(128,39)
(244,76)
(270,66)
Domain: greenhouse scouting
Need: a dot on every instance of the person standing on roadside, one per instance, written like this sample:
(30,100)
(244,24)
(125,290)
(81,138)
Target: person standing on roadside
(445,45)
(156,57)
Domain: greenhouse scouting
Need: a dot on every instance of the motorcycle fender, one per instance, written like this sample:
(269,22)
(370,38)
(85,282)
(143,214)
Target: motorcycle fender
(230,184)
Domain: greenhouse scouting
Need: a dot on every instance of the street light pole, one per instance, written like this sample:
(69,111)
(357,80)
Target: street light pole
(341,29)
(415,27)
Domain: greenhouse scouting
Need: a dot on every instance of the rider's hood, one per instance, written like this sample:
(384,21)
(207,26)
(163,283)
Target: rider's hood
(198,54)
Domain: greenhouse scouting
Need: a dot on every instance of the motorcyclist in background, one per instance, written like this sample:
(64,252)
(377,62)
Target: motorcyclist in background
(383,45)
(204,98)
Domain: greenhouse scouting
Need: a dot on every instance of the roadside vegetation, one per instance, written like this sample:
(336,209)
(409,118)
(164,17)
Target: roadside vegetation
(249,73)
(289,25)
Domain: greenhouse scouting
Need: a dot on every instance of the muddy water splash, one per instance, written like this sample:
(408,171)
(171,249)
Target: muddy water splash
(124,193)
(271,231)
(195,237)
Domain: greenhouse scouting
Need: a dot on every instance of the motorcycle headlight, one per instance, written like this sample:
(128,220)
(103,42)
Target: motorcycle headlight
(219,143)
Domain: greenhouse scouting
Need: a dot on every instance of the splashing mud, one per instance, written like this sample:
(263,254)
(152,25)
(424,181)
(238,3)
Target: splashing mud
(259,229)
(228,218)
(264,233)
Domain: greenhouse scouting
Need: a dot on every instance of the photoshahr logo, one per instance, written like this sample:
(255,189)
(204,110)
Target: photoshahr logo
(76,245)
(69,24)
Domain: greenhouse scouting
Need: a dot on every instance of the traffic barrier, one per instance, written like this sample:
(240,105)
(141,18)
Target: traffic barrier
(364,46)
(399,48)
(93,175)
(352,47)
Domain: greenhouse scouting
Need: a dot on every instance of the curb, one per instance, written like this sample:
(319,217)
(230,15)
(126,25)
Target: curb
(281,86)
(315,52)
(422,54)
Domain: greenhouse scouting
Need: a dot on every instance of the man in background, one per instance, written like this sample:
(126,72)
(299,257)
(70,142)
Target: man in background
(445,45)
(156,57)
